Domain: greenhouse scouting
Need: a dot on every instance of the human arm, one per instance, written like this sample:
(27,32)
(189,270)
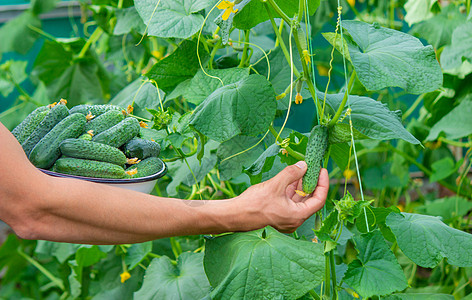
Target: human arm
(38,206)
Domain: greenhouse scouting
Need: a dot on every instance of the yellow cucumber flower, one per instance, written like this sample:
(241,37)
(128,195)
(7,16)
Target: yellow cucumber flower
(125,276)
(228,7)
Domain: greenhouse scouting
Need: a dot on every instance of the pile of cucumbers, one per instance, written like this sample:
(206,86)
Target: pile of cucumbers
(99,141)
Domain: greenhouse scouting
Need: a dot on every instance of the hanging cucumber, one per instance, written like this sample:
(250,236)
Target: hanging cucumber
(29,124)
(88,168)
(80,148)
(119,134)
(53,117)
(104,121)
(315,151)
(141,148)
(46,151)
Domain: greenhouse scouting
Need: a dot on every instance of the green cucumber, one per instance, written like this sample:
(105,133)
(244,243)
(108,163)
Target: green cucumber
(88,168)
(141,148)
(95,110)
(29,124)
(86,136)
(53,117)
(119,134)
(146,167)
(104,121)
(315,151)
(79,148)
(47,151)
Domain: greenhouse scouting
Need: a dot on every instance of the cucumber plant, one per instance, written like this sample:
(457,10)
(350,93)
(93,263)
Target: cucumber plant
(232,90)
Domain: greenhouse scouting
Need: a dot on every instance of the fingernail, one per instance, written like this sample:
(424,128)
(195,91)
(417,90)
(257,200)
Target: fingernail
(301,164)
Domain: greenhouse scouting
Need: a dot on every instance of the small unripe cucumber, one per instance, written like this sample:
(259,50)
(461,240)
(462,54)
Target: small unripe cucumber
(119,134)
(315,151)
(94,109)
(54,116)
(29,124)
(146,167)
(141,148)
(104,121)
(88,168)
(79,148)
(46,151)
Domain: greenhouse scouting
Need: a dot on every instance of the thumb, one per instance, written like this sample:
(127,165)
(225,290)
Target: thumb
(290,174)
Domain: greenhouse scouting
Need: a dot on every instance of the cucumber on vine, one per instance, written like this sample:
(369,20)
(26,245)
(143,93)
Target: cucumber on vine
(315,151)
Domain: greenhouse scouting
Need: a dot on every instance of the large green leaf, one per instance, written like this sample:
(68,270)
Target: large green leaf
(255,13)
(164,280)
(460,48)
(17,36)
(239,146)
(182,64)
(438,30)
(455,124)
(262,264)
(419,297)
(42,6)
(128,19)
(376,270)
(263,163)
(447,208)
(418,10)
(384,57)
(426,240)
(136,253)
(245,107)
(171,18)
(202,85)
(372,118)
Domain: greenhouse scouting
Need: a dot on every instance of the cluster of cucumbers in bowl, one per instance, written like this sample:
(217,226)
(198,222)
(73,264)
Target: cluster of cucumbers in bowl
(99,141)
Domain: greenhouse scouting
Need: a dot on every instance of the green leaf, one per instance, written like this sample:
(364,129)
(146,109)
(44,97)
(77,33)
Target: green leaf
(381,177)
(372,118)
(11,72)
(443,168)
(384,57)
(11,262)
(418,10)
(263,164)
(43,6)
(349,209)
(171,18)
(418,297)
(376,270)
(456,124)
(329,224)
(232,167)
(334,38)
(340,154)
(262,264)
(438,30)
(255,13)
(61,251)
(182,64)
(136,253)
(447,208)
(426,240)
(201,85)
(460,48)
(245,107)
(128,19)
(17,36)
(164,280)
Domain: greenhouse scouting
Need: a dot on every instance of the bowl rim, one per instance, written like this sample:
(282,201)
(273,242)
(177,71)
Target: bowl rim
(152,177)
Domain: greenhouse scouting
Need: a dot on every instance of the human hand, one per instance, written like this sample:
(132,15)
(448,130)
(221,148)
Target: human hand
(275,202)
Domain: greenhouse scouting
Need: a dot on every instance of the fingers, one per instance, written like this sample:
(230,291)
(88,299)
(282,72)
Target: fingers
(317,201)
(290,174)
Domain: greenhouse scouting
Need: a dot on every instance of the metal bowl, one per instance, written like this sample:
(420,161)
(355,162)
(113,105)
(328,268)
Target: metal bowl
(142,184)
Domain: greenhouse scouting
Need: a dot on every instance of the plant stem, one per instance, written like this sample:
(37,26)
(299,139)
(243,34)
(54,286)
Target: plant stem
(314,295)
(301,10)
(454,143)
(244,57)
(279,11)
(327,277)
(213,53)
(281,27)
(295,154)
(42,269)
(413,107)
(281,41)
(343,102)
(176,249)
(93,38)
(333,273)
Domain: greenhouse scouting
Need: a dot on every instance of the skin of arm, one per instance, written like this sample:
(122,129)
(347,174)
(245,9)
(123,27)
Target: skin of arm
(39,206)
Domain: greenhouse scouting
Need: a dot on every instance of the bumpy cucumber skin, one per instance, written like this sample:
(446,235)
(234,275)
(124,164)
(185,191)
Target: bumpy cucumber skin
(104,121)
(85,136)
(88,168)
(96,110)
(79,148)
(119,134)
(29,124)
(47,151)
(141,148)
(53,117)
(315,151)
(146,167)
